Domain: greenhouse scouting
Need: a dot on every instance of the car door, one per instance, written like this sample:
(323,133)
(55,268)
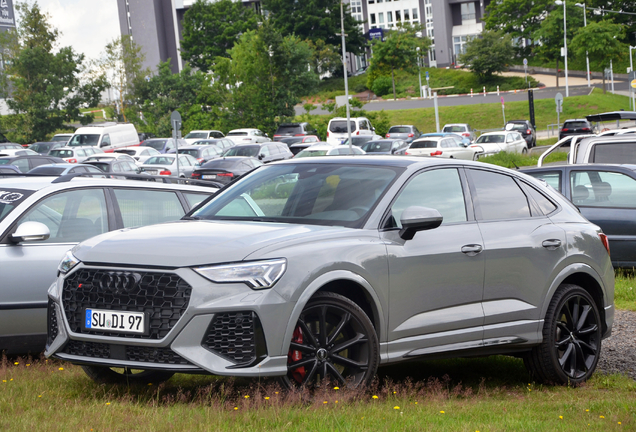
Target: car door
(522,252)
(29,268)
(608,199)
(436,278)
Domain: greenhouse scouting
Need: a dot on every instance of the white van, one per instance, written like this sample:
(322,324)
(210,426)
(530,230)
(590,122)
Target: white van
(106,136)
(337,129)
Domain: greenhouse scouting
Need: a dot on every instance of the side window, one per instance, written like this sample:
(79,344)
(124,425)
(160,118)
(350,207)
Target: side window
(194,198)
(544,203)
(509,138)
(602,189)
(71,216)
(440,189)
(140,207)
(117,167)
(105,141)
(265,151)
(553,178)
(184,161)
(169,145)
(497,196)
(23,164)
(80,153)
(362,125)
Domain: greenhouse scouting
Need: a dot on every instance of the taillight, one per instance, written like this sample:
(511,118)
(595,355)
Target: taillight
(196,175)
(388,135)
(327,134)
(411,135)
(436,153)
(586,129)
(200,160)
(407,153)
(528,132)
(358,133)
(466,134)
(564,129)
(71,160)
(165,172)
(225,175)
(299,135)
(605,241)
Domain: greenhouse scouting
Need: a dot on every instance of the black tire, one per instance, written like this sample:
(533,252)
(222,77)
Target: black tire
(106,375)
(524,151)
(571,343)
(346,352)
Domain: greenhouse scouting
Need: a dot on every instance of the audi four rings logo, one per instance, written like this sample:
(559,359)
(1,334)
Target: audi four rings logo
(118,282)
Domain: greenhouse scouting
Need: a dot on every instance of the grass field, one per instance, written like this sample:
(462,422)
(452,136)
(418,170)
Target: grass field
(488,394)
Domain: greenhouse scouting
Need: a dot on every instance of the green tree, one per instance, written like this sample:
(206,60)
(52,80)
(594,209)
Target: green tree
(488,54)
(601,40)
(188,91)
(399,50)
(210,29)
(316,20)
(47,85)
(517,18)
(122,64)
(550,32)
(265,77)
(326,59)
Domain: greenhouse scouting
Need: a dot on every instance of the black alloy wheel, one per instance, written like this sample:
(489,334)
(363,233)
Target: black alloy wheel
(333,342)
(571,344)
(107,375)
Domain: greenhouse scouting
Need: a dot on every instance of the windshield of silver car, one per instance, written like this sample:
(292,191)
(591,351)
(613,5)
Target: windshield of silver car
(318,194)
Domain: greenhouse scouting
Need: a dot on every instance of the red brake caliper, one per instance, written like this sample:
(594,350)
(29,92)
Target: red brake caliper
(294,355)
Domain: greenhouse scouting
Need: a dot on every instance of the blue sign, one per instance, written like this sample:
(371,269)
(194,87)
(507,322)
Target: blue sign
(376,33)
(427,75)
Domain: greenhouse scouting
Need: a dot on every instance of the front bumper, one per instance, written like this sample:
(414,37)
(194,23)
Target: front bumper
(219,330)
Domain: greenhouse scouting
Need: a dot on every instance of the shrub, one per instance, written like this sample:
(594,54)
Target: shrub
(382,86)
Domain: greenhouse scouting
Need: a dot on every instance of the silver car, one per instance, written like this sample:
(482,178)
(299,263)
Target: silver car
(43,217)
(166,165)
(325,268)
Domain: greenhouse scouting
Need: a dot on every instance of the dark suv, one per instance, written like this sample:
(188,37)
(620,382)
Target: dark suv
(575,127)
(293,129)
(525,128)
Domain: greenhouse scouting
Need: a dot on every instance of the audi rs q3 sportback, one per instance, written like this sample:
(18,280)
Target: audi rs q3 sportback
(324,268)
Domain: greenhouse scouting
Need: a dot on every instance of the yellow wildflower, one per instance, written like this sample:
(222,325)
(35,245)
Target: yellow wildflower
(325,402)
(247,396)
(107,403)
(396,407)
(336,388)
(442,412)
(601,416)
(561,417)
(61,369)
(16,363)
(266,397)
(235,408)
(374,397)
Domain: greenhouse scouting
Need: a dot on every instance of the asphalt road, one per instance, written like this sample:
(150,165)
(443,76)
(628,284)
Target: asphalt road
(547,93)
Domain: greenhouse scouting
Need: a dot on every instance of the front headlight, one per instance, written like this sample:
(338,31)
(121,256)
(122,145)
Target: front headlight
(255,274)
(68,262)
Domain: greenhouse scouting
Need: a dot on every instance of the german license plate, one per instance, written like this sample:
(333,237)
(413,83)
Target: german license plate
(152,172)
(116,321)
(208,176)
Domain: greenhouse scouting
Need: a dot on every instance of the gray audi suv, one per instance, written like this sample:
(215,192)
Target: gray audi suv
(321,269)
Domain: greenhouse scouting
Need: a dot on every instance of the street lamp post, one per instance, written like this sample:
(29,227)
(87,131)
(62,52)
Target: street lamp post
(344,66)
(419,69)
(565,46)
(587,59)
(631,68)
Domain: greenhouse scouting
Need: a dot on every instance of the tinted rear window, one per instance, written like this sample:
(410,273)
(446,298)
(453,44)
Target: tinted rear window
(400,129)
(47,170)
(516,126)
(454,129)
(237,134)
(191,152)
(61,153)
(624,153)
(377,146)
(576,125)
(288,130)
(40,148)
(424,144)
(155,144)
(250,151)
(340,126)
(128,152)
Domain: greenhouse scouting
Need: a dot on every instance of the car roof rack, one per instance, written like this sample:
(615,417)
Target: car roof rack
(143,177)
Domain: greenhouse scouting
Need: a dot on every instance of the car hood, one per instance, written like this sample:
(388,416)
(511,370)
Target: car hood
(191,243)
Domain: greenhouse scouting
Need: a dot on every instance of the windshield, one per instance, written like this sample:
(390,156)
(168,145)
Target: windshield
(250,151)
(10,199)
(84,140)
(424,144)
(340,126)
(40,148)
(311,153)
(155,144)
(61,138)
(314,193)
(377,146)
(160,160)
(196,135)
(61,153)
(489,139)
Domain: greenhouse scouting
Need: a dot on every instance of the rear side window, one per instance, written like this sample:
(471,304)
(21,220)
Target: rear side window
(624,153)
(602,189)
(497,196)
(553,178)
(141,207)
(194,198)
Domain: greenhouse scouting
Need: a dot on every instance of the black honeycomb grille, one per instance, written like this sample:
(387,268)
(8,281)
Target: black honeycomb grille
(124,352)
(163,297)
(232,335)
(51,323)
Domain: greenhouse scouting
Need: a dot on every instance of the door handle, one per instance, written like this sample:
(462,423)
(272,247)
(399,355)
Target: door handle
(551,244)
(472,249)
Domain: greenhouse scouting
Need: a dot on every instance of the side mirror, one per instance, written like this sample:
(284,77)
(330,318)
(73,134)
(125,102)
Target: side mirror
(416,219)
(31,231)
(261,156)
(104,144)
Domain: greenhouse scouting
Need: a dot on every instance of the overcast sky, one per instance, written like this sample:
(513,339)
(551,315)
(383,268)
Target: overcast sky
(86,25)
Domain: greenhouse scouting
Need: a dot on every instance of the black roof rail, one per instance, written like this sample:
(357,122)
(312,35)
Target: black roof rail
(142,177)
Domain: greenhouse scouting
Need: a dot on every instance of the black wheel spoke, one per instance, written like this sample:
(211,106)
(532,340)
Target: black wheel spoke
(562,343)
(307,333)
(323,372)
(344,320)
(335,373)
(303,348)
(300,363)
(347,362)
(310,375)
(589,330)
(580,357)
(588,347)
(576,310)
(583,318)
(569,322)
(323,326)
(357,339)
(563,326)
(566,355)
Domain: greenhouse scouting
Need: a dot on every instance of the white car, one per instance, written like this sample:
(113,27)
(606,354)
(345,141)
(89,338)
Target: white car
(197,135)
(247,136)
(337,129)
(139,153)
(443,146)
(492,143)
(329,150)
(75,154)
(18,152)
